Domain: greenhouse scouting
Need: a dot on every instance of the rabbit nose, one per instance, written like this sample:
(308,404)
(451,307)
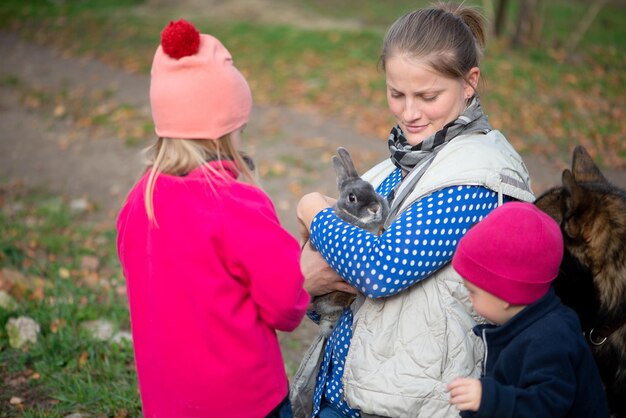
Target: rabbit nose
(374,209)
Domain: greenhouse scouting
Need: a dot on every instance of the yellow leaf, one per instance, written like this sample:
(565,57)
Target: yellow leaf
(59,111)
(64,273)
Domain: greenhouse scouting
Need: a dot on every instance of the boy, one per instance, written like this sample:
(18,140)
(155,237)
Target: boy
(537,363)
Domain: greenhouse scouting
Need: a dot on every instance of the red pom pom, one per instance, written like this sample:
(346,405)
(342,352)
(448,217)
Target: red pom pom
(180,39)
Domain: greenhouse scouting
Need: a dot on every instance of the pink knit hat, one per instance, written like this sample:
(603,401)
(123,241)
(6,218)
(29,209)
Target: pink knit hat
(195,90)
(514,253)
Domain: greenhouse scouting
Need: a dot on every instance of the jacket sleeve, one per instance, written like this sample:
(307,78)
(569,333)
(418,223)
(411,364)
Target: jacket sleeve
(418,243)
(265,257)
(547,388)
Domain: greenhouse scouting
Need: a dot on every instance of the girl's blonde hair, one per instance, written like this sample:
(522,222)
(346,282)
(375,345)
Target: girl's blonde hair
(178,157)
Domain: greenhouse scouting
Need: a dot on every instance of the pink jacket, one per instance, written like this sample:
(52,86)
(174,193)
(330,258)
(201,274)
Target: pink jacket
(207,289)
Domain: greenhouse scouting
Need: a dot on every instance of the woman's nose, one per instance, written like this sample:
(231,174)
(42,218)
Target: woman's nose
(411,111)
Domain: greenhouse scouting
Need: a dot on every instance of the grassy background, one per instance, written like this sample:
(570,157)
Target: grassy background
(543,98)
(544,102)
(42,248)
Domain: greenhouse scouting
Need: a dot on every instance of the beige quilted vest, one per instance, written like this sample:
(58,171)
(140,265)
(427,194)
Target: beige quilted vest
(406,348)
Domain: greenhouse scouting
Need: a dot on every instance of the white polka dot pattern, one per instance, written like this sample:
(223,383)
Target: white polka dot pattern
(419,242)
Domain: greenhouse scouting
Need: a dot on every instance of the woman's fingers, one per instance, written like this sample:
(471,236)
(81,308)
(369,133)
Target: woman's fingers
(319,277)
(342,286)
(310,205)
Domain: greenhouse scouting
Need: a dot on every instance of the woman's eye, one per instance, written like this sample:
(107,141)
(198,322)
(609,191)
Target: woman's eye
(352,197)
(430,98)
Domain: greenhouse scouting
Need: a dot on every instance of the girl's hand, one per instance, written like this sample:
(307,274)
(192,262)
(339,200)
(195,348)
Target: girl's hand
(465,393)
(319,277)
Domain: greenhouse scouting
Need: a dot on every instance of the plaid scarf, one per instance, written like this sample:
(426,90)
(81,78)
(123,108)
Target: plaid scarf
(407,156)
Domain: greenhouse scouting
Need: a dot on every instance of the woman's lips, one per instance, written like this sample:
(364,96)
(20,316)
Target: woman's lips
(415,129)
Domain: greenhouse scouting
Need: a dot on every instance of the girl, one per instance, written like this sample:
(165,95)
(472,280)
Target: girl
(210,272)
(448,168)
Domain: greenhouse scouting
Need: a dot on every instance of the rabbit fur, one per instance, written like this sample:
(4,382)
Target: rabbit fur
(359,204)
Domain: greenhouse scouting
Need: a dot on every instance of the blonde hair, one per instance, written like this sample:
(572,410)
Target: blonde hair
(449,37)
(178,157)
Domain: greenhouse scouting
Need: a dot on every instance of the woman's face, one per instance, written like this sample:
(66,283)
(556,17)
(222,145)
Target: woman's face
(423,100)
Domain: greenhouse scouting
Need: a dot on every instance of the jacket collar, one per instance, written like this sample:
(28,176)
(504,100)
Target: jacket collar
(502,334)
(227,167)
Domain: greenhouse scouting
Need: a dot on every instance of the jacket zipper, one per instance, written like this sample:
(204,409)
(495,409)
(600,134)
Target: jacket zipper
(486,352)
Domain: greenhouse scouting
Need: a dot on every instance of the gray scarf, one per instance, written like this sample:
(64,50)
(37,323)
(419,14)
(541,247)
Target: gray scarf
(407,156)
(416,159)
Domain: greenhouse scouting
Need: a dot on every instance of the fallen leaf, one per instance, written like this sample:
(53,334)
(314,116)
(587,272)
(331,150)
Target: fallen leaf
(59,111)
(89,262)
(121,414)
(82,359)
(57,324)
(64,273)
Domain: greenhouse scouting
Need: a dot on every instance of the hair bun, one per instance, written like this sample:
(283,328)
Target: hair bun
(180,39)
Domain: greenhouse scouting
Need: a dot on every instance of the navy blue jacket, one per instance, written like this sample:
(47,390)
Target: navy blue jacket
(538,364)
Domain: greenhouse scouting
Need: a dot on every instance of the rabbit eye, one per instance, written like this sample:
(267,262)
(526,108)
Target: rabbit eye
(352,197)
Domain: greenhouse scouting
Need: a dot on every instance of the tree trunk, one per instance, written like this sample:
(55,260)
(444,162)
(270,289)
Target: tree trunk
(529,23)
(500,19)
(488,11)
(584,25)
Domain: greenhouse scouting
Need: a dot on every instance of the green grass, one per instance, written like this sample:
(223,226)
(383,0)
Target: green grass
(374,14)
(42,244)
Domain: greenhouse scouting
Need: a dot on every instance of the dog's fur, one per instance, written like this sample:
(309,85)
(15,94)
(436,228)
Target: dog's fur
(592,279)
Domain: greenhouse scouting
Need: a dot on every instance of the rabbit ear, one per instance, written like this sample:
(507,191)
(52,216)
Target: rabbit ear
(346,159)
(342,175)
(344,167)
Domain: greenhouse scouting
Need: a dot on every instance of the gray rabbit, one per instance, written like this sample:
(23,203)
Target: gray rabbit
(360,205)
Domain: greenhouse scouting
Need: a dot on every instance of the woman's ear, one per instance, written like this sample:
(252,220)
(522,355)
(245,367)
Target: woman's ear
(471,82)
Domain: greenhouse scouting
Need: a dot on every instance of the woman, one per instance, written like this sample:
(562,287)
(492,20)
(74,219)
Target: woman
(411,333)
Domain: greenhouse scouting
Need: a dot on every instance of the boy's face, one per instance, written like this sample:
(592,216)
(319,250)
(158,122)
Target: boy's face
(488,305)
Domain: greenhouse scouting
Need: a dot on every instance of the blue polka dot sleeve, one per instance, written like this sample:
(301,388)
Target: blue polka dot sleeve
(420,241)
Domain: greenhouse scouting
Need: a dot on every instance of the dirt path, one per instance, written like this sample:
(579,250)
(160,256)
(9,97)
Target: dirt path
(293,149)
(42,150)
(279,12)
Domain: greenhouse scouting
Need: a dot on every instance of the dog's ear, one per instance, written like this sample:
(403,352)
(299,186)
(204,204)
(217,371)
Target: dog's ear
(583,167)
(574,200)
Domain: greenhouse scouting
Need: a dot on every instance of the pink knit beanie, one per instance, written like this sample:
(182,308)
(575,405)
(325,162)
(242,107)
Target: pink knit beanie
(514,253)
(195,90)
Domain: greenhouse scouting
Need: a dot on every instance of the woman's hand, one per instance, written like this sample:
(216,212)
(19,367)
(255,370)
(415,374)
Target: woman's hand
(319,277)
(310,205)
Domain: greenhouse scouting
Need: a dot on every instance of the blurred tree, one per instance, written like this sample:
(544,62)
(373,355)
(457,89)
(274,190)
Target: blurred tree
(584,24)
(530,20)
(529,23)
(499,22)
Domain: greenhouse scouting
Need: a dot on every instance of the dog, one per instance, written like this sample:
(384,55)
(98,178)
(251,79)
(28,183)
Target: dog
(592,278)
